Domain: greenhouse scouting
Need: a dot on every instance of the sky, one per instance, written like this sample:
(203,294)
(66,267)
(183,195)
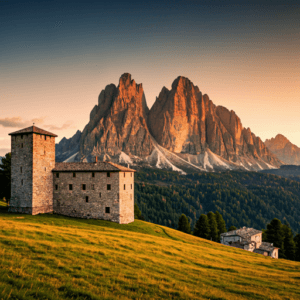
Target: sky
(57,56)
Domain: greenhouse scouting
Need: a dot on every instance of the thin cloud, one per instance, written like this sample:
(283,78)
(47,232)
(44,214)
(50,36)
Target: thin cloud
(19,122)
(64,126)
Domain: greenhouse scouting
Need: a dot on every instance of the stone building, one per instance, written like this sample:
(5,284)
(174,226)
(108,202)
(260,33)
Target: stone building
(100,190)
(249,239)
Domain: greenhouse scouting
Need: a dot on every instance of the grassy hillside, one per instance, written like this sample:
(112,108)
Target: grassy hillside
(55,257)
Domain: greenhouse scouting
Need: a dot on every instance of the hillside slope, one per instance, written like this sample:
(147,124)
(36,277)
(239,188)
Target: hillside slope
(55,257)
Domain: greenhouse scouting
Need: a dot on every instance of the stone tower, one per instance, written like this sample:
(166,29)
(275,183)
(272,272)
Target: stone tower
(32,161)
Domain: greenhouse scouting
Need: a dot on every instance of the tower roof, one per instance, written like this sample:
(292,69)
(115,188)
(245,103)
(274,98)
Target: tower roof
(33,129)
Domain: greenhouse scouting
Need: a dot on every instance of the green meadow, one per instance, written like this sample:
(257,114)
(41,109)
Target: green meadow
(56,257)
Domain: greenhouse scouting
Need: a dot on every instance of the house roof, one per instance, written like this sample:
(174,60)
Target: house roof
(92,167)
(266,247)
(244,232)
(33,129)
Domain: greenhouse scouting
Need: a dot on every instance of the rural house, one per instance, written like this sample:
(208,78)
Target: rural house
(99,190)
(249,239)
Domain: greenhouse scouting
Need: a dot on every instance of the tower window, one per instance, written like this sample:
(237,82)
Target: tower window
(84,187)
(87,199)
(124,174)
(57,175)
(21,169)
(124,186)
(108,174)
(45,137)
(70,187)
(100,195)
(92,186)
(108,187)
(56,187)
(107,210)
(131,186)
(93,174)
(74,174)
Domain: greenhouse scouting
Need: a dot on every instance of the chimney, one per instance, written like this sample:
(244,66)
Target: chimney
(96,159)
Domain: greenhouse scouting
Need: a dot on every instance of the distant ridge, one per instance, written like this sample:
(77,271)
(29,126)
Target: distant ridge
(284,149)
(184,131)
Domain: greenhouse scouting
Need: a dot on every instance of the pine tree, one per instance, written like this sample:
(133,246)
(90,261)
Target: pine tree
(275,235)
(213,226)
(202,228)
(231,228)
(221,225)
(5,176)
(184,224)
(289,243)
(137,212)
(297,242)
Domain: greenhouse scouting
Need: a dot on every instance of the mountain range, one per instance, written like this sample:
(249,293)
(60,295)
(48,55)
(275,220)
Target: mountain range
(183,131)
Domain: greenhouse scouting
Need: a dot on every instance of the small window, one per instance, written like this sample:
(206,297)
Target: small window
(100,195)
(45,169)
(21,169)
(56,187)
(124,186)
(93,174)
(74,174)
(124,174)
(45,137)
(21,136)
(84,187)
(87,199)
(22,182)
(108,187)
(131,186)
(57,175)
(70,187)
(108,174)
(92,186)
(107,210)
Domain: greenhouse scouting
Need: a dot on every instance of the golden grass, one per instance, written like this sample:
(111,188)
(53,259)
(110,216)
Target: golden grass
(55,257)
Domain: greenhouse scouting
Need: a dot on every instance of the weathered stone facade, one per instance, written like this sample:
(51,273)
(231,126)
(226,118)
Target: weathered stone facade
(101,190)
(33,158)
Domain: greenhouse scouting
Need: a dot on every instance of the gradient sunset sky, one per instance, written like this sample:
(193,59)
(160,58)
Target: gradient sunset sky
(57,56)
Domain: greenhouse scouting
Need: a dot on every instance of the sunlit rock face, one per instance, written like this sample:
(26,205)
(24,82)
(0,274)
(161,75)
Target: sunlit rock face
(118,123)
(184,131)
(284,149)
(183,120)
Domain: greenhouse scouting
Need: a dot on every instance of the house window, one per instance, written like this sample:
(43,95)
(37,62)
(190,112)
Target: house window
(21,169)
(100,195)
(107,210)
(45,137)
(84,187)
(56,187)
(57,175)
(74,174)
(124,186)
(108,174)
(93,174)
(70,187)
(87,199)
(92,186)
(108,187)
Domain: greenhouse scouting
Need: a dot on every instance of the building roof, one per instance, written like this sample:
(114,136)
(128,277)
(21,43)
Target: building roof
(266,247)
(92,167)
(33,129)
(244,232)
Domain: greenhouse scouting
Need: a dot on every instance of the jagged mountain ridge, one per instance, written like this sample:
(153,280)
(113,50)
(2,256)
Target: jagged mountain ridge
(284,149)
(183,131)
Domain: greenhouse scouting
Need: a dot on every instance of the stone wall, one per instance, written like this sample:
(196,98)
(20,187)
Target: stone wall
(42,177)
(74,202)
(21,173)
(126,197)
